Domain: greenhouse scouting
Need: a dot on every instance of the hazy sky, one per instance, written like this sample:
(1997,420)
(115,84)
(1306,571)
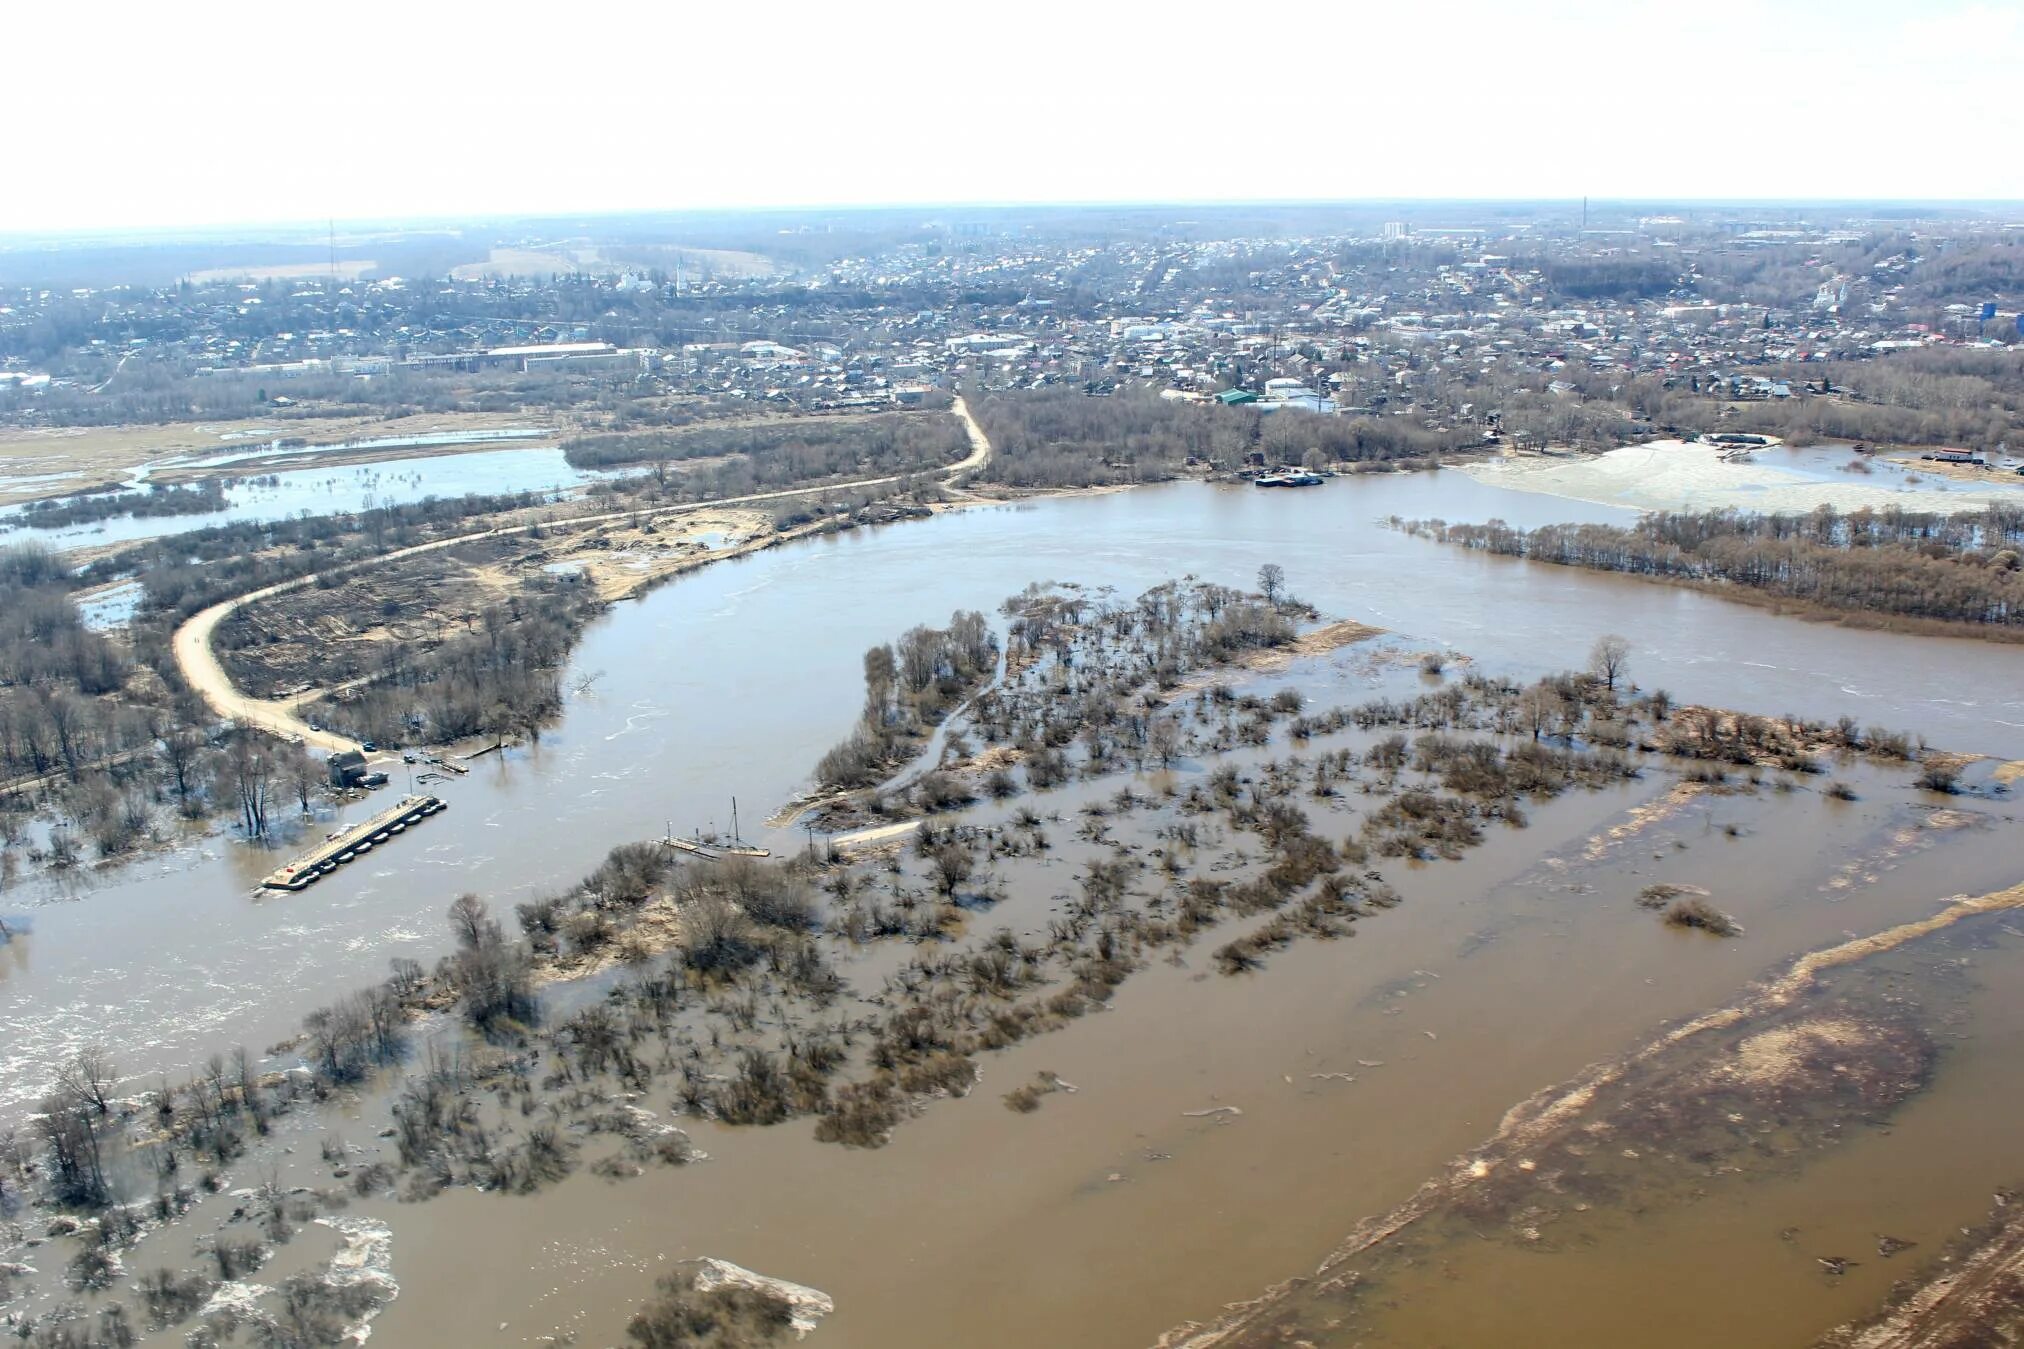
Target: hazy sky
(141,114)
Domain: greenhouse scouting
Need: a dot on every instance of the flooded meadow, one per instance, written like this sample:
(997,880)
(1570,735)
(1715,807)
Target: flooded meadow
(1211,1094)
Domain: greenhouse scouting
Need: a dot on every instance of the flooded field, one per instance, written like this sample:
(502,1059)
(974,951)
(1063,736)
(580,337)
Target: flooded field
(271,493)
(1223,1132)
(1226,1130)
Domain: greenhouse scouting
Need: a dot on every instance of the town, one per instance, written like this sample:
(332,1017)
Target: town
(1520,328)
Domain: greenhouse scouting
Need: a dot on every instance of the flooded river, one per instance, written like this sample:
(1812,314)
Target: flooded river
(730,682)
(1360,1068)
(1111,1214)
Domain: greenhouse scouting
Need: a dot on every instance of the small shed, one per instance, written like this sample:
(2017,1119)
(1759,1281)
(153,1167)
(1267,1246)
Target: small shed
(347,768)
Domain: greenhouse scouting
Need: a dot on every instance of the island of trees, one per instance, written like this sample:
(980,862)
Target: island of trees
(1888,568)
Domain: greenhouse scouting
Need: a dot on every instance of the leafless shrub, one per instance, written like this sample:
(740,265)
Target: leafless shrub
(729,1316)
(1694,912)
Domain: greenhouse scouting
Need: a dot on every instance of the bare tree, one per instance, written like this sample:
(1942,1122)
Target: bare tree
(716,938)
(248,772)
(182,751)
(1608,658)
(406,979)
(302,773)
(1272,582)
(881,675)
(469,921)
(89,1077)
(73,1151)
(1539,708)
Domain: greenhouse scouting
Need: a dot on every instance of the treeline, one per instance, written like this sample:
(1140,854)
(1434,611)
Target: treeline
(1938,397)
(68,715)
(1068,438)
(805,447)
(1975,266)
(502,677)
(910,686)
(1908,565)
(43,640)
(1621,278)
(1945,396)
(183,574)
(84,508)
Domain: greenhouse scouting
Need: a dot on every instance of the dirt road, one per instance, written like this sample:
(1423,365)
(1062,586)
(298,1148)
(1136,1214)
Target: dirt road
(201,668)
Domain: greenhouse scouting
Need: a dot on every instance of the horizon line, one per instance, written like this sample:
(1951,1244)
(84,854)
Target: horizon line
(19,236)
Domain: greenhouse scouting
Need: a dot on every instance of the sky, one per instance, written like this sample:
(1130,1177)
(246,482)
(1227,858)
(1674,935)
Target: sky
(140,115)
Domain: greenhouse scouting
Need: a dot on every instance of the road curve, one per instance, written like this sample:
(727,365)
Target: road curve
(201,669)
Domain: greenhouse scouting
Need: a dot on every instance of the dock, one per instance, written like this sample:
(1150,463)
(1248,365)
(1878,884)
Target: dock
(347,844)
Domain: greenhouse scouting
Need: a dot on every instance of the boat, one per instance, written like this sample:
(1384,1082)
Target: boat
(711,848)
(1302,478)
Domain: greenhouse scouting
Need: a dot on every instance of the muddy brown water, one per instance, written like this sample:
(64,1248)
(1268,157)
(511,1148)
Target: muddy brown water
(1733,1255)
(1109,1214)
(732,680)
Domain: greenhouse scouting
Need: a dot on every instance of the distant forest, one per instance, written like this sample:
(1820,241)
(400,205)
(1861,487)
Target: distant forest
(1866,567)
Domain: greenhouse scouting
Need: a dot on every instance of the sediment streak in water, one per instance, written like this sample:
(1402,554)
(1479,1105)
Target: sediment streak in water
(1542,1115)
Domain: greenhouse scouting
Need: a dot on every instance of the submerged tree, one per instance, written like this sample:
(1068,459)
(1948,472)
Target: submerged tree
(1608,658)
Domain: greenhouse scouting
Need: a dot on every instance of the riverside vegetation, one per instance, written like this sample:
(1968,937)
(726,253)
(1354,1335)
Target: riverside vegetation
(755,993)
(99,732)
(1889,568)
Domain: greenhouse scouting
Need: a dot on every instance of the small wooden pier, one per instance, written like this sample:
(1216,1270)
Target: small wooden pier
(348,844)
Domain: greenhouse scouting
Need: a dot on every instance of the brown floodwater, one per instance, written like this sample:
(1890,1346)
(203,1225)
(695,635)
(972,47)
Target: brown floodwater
(730,681)
(1111,1214)
(1729,1248)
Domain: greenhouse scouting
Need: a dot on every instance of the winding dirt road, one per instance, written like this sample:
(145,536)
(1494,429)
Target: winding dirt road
(199,662)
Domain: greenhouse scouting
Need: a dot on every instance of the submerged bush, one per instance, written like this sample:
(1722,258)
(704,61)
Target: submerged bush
(1693,911)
